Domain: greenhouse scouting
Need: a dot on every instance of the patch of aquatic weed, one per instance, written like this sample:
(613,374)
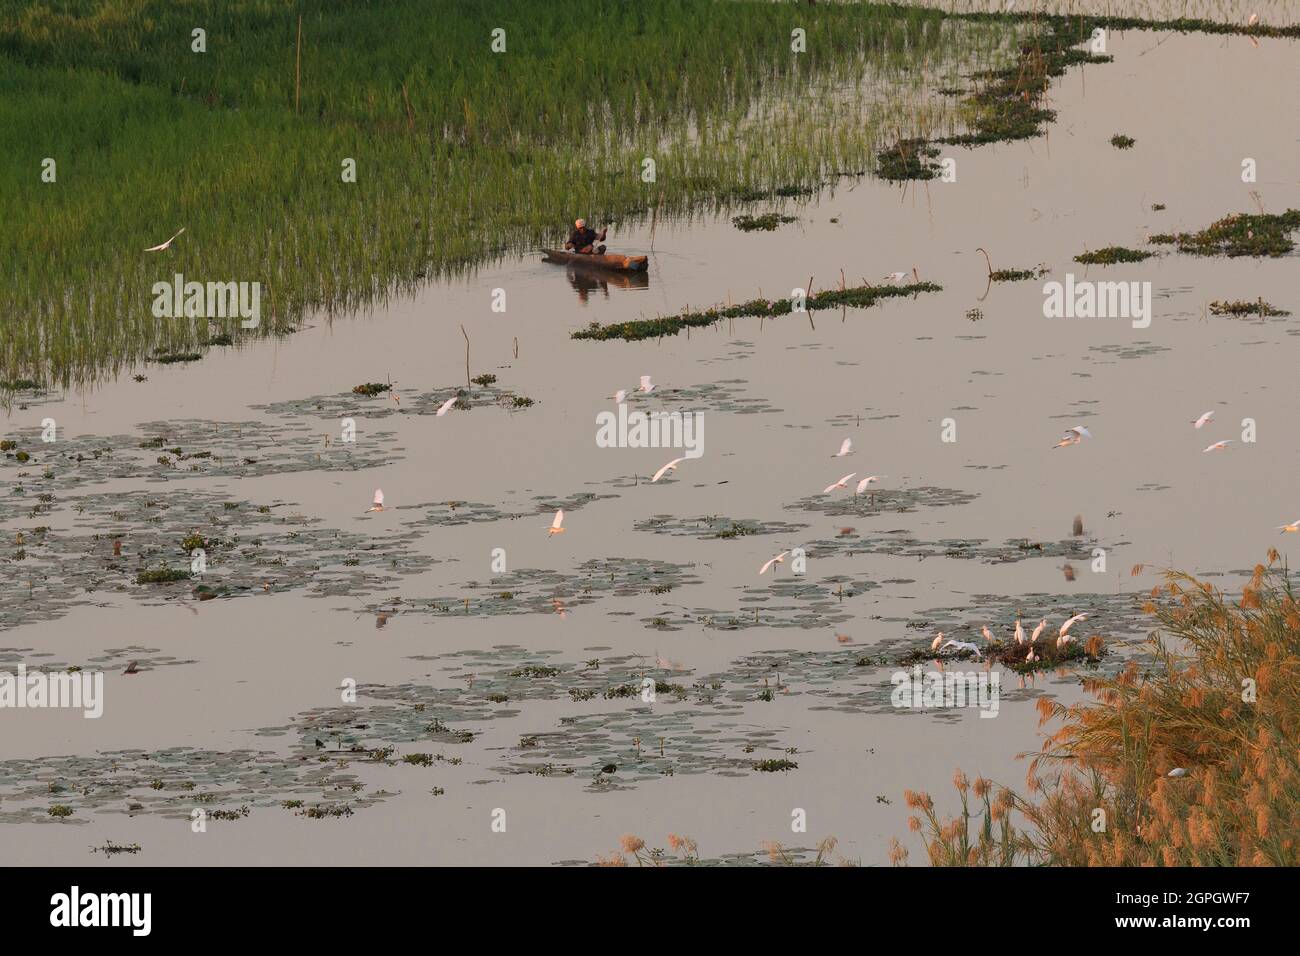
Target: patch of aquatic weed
(1241,234)
(616,750)
(249,549)
(178,450)
(1018,275)
(545,591)
(1116,615)
(1003,105)
(714,527)
(798,603)
(454,513)
(380,404)
(857,297)
(170,782)
(1191,757)
(606,750)
(683,851)
(767,222)
(884,501)
(1239,309)
(1131,350)
(726,395)
(900,543)
(908,159)
(1112,255)
(111,658)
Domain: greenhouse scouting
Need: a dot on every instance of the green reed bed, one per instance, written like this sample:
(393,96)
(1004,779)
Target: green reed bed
(860,297)
(462,154)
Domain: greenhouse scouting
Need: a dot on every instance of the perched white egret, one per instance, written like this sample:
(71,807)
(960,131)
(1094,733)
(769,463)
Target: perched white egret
(379,501)
(1020,632)
(1200,422)
(779,559)
(988,635)
(1070,623)
(556,525)
(1038,630)
(445,407)
(846,448)
(671,466)
(842,483)
(934,645)
(862,485)
(1217,446)
(163,245)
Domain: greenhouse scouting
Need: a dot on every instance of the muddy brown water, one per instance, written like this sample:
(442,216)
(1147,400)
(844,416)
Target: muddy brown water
(258,671)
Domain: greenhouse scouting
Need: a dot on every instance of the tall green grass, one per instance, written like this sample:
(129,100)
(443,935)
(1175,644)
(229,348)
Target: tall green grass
(462,154)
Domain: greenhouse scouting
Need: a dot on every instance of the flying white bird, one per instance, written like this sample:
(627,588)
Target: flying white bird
(896,277)
(671,466)
(842,483)
(988,635)
(1073,436)
(862,485)
(962,646)
(1217,446)
(646,384)
(846,447)
(445,407)
(162,246)
(779,559)
(555,527)
(1293,527)
(1020,632)
(1070,623)
(620,396)
(1203,419)
(1038,630)
(379,501)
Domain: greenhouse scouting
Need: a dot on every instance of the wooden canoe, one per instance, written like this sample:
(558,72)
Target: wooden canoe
(612,263)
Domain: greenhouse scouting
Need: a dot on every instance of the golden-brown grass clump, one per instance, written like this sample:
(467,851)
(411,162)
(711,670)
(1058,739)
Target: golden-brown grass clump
(1193,760)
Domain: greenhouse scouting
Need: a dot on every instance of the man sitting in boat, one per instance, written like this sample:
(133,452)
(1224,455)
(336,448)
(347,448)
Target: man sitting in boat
(583,240)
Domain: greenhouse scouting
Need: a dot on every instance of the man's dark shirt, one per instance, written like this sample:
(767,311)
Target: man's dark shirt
(582,238)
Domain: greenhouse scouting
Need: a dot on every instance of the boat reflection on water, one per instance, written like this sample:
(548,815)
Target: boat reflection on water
(587,281)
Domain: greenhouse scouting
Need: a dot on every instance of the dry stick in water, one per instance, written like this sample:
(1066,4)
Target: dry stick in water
(806,309)
(297,69)
(466,334)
